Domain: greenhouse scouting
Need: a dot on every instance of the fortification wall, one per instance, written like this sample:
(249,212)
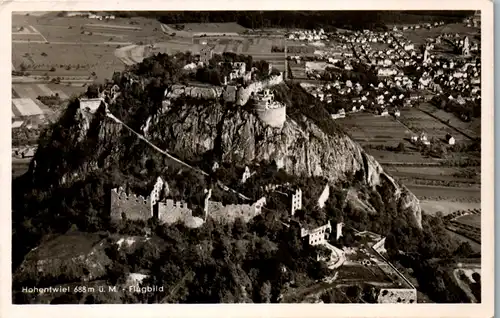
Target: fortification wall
(170,212)
(229,213)
(135,207)
(212,92)
(273,117)
(244,93)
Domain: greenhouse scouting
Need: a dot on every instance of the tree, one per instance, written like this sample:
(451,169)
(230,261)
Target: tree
(353,292)
(464,250)
(265,292)
(401,147)
(239,228)
(329,297)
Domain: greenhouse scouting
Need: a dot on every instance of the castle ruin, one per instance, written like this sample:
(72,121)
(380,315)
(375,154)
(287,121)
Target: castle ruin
(319,235)
(229,213)
(156,205)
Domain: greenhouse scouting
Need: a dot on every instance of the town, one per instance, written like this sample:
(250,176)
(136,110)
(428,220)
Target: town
(407,94)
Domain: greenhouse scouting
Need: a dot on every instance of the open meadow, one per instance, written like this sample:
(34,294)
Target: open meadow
(471,129)
(419,36)
(367,128)
(470,219)
(442,187)
(418,121)
(66,60)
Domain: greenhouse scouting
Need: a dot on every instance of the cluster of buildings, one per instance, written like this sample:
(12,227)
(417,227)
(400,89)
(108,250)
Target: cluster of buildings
(158,205)
(90,15)
(418,26)
(365,36)
(239,87)
(308,35)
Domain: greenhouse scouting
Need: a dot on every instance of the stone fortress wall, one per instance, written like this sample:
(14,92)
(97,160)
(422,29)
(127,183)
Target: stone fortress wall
(171,211)
(139,208)
(244,94)
(135,207)
(272,116)
(200,92)
(229,213)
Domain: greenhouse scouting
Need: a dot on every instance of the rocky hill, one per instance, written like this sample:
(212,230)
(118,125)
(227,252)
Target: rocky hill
(228,134)
(301,147)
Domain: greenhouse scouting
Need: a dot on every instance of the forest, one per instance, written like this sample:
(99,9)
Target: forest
(328,20)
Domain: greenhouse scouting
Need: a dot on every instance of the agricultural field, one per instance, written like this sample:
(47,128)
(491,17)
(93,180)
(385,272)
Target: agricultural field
(259,49)
(441,187)
(20,167)
(472,129)
(367,128)
(420,35)
(446,207)
(476,247)
(418,121)
(66,60)
(34,90)
(471,219)
(454,194)
(193,29)
(298,70)
(439,174)
(55,28)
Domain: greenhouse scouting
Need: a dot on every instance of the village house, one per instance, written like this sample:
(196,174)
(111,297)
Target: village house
(339,114)
(449,139)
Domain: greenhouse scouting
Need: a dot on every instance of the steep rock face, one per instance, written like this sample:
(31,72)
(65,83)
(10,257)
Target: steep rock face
(236,135)
(107,134)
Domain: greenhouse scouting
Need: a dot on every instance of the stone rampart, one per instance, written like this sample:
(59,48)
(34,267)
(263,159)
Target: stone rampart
(170,212)
(135,207)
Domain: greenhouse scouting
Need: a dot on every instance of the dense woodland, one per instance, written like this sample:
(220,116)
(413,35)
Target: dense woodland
(329,20)
(216,263)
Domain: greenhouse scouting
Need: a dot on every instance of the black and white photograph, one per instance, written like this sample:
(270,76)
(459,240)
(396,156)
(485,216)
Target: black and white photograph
(249,157)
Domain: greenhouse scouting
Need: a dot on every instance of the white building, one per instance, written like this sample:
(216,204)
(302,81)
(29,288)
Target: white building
(296,201)
(318,235)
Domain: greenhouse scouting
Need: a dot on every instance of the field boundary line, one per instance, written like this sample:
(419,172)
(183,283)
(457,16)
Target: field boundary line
(445,123)
(39,33)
